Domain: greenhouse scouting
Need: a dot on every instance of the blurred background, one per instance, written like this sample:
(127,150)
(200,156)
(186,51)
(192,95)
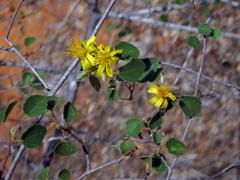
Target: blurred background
(42,32)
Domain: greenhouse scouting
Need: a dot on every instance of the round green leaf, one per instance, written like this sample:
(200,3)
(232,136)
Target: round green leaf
(4,114)
(132,71)
(35,105)
(70,112)
(129,50)
(164,18)
(204,29)
(43,174)
(65,148)
(157,164)
(29,40)
(194,42)
(64,174)
(191,105)
(95,82)
(180,2)
(33,136)
(216,33)
(126,146)
(157,137)
(133,127)
(156,121)
(175,147)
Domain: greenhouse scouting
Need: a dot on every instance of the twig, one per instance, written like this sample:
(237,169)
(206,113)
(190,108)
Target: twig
(154,22)
(100,167)
(202,76)
(226,169)
(195,94)
(13,18)
(29,66)
(201,66)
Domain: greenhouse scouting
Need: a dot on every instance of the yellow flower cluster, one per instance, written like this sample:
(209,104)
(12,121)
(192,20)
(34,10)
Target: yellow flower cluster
(162,96)
(92,57)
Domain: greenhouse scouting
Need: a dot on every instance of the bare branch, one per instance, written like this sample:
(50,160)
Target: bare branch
(13,18)
(153,22)
(87,173)
(226,169)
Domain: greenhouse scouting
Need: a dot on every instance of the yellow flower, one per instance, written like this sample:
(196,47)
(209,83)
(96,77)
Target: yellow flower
(84,51)
(162,96)
(105,60)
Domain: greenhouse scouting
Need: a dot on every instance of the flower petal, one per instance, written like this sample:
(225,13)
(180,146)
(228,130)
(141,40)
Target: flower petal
(156,101)
(153,88)
(85,64)
(91,59)
(171,96)
(91,40)
(100,70)
(165,104)
(109,71)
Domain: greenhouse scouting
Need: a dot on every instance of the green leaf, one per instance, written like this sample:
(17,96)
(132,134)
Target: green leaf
(64,174)
(95,82)
(191,105)
(133,127)
(36,83)
(53,101)
(194,42)
(204,29)
(151,70)
(33,136)
(164,18)
(65,148)
(111,26)
(156,121)
(157,137)
(180,2)
(157,164)
(43,174)
(29,41)
(215,34)
(27,78)
(129,50)
(17,46)
(126,30)
(132,71)
(176,147)
(126,146)
(4,114)
(112,91)
(35,105)
(70,112)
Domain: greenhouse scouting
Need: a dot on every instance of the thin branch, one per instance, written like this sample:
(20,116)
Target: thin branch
(226,169)
(29,66)
(201,66)
(13,18)
(154,22)
(202,76)
(87,173)
(195,94)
